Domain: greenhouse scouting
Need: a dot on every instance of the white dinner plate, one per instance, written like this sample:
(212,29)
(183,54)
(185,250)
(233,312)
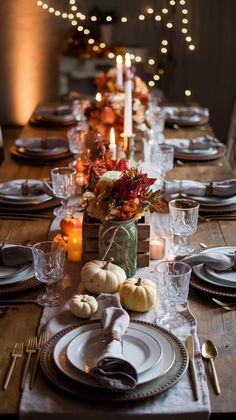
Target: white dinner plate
(214,201)
(139,347)
(63,364)
(14,185)
(23,272)
(223,278)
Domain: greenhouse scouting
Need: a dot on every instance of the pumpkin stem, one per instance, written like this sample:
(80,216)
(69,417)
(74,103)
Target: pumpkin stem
(139,282)
(107,262)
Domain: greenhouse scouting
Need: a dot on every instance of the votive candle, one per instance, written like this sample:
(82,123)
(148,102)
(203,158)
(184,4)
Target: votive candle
(157,248)
(75,245)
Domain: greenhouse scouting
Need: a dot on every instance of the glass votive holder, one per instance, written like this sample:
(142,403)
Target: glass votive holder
(75,245)
(157,248)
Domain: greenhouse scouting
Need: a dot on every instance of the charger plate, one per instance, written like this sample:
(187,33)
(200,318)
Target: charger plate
(38,160)
(142,391)
(218,151)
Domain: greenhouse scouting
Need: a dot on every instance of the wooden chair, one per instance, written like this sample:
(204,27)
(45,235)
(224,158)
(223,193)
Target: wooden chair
(231,141)
(1,147)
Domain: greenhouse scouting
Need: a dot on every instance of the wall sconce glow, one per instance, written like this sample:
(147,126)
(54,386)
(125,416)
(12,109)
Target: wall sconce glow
(188,92)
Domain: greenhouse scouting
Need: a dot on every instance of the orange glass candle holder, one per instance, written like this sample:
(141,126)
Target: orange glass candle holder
(157,248)
(74,246)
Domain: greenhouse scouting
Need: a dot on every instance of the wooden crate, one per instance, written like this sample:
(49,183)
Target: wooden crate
(90,239)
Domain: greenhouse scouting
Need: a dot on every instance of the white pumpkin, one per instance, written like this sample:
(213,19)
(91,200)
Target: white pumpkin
(138,294)
(102,276)
(83,306)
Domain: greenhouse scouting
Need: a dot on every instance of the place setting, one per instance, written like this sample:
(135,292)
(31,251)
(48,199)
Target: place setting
(53,115)
(40,150)
(201,148)
(186,116)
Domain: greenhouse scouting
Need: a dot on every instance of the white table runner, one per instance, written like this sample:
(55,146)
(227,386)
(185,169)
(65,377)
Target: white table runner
(46,401)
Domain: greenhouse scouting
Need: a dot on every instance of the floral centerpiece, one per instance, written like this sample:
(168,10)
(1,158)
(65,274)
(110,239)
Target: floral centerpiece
(109,112)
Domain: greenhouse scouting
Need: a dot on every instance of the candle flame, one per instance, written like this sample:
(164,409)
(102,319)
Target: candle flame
(98,97)
(119,59)
(112,136)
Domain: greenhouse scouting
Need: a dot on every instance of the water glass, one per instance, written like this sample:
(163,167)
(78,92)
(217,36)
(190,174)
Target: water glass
(162,158)
(77,137)
(173,279)
(183,224)
(64,186)
(49,257)
(156,118)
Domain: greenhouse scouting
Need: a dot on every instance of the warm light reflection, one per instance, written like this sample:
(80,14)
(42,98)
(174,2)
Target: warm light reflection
(98,97)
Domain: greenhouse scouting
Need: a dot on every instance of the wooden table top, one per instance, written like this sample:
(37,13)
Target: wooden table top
(213,322)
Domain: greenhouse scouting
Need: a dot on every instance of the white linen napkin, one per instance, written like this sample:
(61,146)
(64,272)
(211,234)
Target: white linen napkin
(225,188)
(113,370)
(213,259)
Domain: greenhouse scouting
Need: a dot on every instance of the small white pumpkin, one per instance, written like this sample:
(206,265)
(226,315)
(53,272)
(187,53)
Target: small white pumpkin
(138,294)
(102,276)
(83,306)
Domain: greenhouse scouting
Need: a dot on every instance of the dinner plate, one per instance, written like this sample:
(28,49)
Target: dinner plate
(60,355)
(6,272)
(186,116)
(23,271)
(223,279)
(42,146)
(140,348)
(208,151)
(219,151)
(15,185)
(213,201)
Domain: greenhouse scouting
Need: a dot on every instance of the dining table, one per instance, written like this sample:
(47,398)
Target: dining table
(212,321)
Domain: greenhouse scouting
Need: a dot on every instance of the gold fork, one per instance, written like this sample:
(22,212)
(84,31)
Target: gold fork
(16,353)
(43,338)
(30,349)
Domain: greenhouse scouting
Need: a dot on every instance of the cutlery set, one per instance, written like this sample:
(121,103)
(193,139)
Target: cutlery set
(209,353)
(34,345)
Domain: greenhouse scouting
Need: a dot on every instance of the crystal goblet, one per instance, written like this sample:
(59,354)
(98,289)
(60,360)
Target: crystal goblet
(162,158)
(64,186)
(77,140)
(49,257)
(173,279)
(183,224)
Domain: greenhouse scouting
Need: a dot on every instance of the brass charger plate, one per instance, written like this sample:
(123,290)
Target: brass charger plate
(19,287)
(211,288)
(220,152)
(37,160)
(144,391)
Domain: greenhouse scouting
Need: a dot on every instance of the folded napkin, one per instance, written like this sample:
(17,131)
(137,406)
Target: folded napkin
(15,255)
(40,144)
(113,370)
(225,188)
(197,143)
(213,259)
(21,189)
(54,110)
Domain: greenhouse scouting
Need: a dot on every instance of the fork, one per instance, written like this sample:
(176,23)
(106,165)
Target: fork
(30,349)
(43,338)
(16,353)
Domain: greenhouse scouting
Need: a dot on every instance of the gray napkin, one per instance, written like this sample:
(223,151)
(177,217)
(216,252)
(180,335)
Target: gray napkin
(197,143)
(21,189)
(42,144)
(213,259)
(14,255)
(113,370)
(225,188)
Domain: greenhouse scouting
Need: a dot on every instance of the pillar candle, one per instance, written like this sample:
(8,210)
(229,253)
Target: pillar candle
(128,126)
(112,145)
(119,71)
(157,248)
(75,245)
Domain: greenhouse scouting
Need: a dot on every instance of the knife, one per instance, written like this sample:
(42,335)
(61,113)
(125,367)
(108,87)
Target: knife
(193,372)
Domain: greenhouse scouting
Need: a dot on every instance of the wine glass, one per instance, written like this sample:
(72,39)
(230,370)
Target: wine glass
(78,109)
(173,279)
(48,257)
(162,158)
(76,137)
(183,223)
(156,118)
(64,186)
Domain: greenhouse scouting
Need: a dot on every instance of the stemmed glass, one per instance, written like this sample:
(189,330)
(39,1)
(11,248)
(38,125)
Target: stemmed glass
(64,186)
(162,158)
(156,118)
(173,279)
(77,139)
(49,257)
(183,223)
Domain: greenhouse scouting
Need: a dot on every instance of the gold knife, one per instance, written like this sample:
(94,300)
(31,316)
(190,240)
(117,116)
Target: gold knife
(193,372)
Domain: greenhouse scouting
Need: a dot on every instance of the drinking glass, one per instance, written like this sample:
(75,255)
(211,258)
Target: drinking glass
(173,279)
(78,109)
(76,137)
(156,118)
(162,158)
(183,223)
(48,257)
(64,186)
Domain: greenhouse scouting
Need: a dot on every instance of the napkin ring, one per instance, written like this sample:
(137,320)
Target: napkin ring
(113,335)
(209,189)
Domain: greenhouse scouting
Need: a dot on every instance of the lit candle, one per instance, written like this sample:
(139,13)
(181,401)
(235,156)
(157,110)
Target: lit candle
(119,70)
(80,179)
(128,130)
(98,97)
(112,145)
(157,248)
(75,245)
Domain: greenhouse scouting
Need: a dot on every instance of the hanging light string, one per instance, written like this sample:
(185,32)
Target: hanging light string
(78,20)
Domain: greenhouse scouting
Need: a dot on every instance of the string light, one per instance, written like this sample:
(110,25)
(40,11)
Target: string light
(188,92)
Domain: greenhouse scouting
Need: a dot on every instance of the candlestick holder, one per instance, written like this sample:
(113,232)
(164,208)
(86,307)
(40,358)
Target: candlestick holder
(129,146)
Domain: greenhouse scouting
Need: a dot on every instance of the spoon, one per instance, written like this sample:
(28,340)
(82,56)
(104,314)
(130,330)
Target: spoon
(229,306)
(209,352)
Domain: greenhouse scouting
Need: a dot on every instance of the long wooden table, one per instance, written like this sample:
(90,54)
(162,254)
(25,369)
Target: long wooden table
(213,322)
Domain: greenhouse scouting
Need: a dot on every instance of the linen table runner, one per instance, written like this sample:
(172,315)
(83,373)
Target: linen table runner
(47,402)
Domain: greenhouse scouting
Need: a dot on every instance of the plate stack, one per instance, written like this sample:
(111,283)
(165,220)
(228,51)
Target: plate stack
(158,356)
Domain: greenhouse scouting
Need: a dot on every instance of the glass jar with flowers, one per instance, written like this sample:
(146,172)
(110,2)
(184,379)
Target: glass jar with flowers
(118,198)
